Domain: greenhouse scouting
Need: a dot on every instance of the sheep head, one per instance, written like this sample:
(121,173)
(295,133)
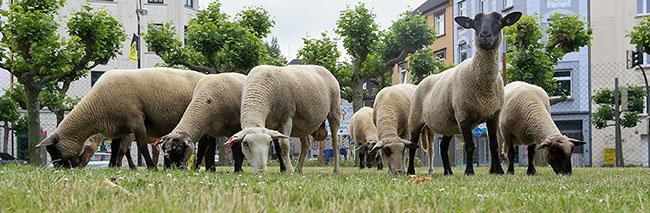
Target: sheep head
(255,145)
(393,153)
(177,148)
(365,149)
(63,151)
(557,152)
(487,27)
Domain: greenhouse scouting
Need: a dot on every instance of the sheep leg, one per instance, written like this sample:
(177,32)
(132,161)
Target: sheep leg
(362,159)
(156,154)
(238,155)
(415,138)
(334,118)
(426,138)
(200,152)
(411,169)
(444,154)
(304,148)
(466,129)
(114,152)
(278,151)
(210,152)
(141,138)
(379,163)
(511,156)
(531,159)
(495,162)
(129,159)
(124,148)
(286,145)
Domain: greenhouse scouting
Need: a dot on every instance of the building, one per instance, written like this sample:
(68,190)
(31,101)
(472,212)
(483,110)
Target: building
(439,14)
(611,21)
(159,12)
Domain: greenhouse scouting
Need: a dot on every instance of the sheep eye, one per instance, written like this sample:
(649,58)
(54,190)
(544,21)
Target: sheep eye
(245,144)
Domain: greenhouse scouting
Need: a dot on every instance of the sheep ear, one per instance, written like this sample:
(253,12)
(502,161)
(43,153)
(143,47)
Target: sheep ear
(276,135)
(360,147)
(54,139)
(411,145)
(377,147)
(543,144)
(234,139)
(464,22)
(577,142)
(511,18)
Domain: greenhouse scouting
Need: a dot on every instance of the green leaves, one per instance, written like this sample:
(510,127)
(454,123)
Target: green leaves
(640,35)
(323,52)
(423,63)
(358,28)
(9,108)
(604,98)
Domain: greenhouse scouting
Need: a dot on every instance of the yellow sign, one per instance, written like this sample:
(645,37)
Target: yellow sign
(610,155)
(133,51)
(190,162)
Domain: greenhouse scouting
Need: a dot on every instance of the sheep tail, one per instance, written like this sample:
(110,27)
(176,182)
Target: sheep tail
(425,138)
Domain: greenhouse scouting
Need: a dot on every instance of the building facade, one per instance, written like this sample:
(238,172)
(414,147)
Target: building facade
(611,21)
(572,72)
(439,15)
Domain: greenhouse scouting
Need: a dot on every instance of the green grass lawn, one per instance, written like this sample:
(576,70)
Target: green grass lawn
(33,189)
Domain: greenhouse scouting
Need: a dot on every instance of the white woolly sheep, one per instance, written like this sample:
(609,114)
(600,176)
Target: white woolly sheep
(525,119)
(146,102)
(214,111)
(364,133)
(391,117)
(458,99)
(295,100)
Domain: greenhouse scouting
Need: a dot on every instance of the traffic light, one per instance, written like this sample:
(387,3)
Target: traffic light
(637,58)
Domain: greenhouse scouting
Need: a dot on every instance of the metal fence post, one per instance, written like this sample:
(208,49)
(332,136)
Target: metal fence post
(619,152)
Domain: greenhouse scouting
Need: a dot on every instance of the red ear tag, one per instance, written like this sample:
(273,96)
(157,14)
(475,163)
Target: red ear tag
(156,143)
(540,142)
(230,142)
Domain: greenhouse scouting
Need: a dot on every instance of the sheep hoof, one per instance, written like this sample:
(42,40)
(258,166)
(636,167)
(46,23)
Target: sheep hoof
(448,173)
(496,170)
(430,171)
(469,172)
(511,172)
(531,172)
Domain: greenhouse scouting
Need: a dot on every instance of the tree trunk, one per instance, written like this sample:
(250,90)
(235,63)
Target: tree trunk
(357,95)
(33,122)
(223,153)
(59,115)
(5,139)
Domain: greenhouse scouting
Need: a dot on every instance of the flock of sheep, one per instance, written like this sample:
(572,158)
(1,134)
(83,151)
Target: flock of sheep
(272,104)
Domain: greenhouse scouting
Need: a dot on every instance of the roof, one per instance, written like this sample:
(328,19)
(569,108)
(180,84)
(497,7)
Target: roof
(429,5)
(296,61)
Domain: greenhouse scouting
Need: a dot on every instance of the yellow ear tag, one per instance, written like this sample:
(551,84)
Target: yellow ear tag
(508,21)
(276,132)
(466,24)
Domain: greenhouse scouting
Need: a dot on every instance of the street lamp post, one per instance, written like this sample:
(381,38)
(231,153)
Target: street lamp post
(139,11)
(635,59)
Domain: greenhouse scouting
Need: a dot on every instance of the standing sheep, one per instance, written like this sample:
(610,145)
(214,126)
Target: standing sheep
(391,117)
(526,120)
(146,102)
(458,99)
(214,110)
(295,100)
(364,133)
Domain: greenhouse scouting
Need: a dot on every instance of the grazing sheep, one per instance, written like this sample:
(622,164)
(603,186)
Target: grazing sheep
(90,147)
(364,133)
(295,100)
(391,117)
(458,99)
(214,110)
(525,119)
(146,102)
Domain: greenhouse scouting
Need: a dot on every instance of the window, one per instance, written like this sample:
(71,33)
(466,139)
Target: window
(156,1)
(440,25)
(642,7)
(94,76)
(563,78)
(482,6)
(572,129)
(441,54)
(507,3)
(402,73)
(184,35)
(463,48)
(189,3)
(462,11)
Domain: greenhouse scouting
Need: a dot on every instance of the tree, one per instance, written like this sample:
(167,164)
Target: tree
(374,53)
(215,43)
(37,56)
(640,35)
(605,112)
(423,63)
(531,58)
(9,109)
(273,53)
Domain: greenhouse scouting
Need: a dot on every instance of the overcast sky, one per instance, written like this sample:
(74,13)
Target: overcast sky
(295,19)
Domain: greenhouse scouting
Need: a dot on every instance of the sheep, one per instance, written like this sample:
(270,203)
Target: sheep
(391,113)
(151,102)
(214,110)
(364,133)
(458,99)
(295,100)
(525,119)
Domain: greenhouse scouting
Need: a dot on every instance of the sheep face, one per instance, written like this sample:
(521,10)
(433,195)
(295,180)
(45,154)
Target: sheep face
(557,152)
(255,145)
(177,148)
(368,157)
(61,151)
(393,153)
(487,27)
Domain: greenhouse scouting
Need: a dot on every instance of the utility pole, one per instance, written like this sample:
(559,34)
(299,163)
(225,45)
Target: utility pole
(619,152)
(138,12)
(635,59)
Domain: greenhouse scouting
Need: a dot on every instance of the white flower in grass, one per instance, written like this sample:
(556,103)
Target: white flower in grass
(169,175)
(150,185)
(243,184)
(441,189)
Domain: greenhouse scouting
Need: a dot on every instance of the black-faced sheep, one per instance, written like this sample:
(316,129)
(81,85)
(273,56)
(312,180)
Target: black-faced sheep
(295,100)
(525,119)
(146,102)
(364,133)
(214,110)
(391,117)
(458,99)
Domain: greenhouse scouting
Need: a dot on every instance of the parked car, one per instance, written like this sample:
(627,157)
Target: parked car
(99,159)
(6,158)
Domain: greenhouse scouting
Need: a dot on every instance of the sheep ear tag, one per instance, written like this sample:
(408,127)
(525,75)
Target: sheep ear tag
(230,141)
(156,143)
